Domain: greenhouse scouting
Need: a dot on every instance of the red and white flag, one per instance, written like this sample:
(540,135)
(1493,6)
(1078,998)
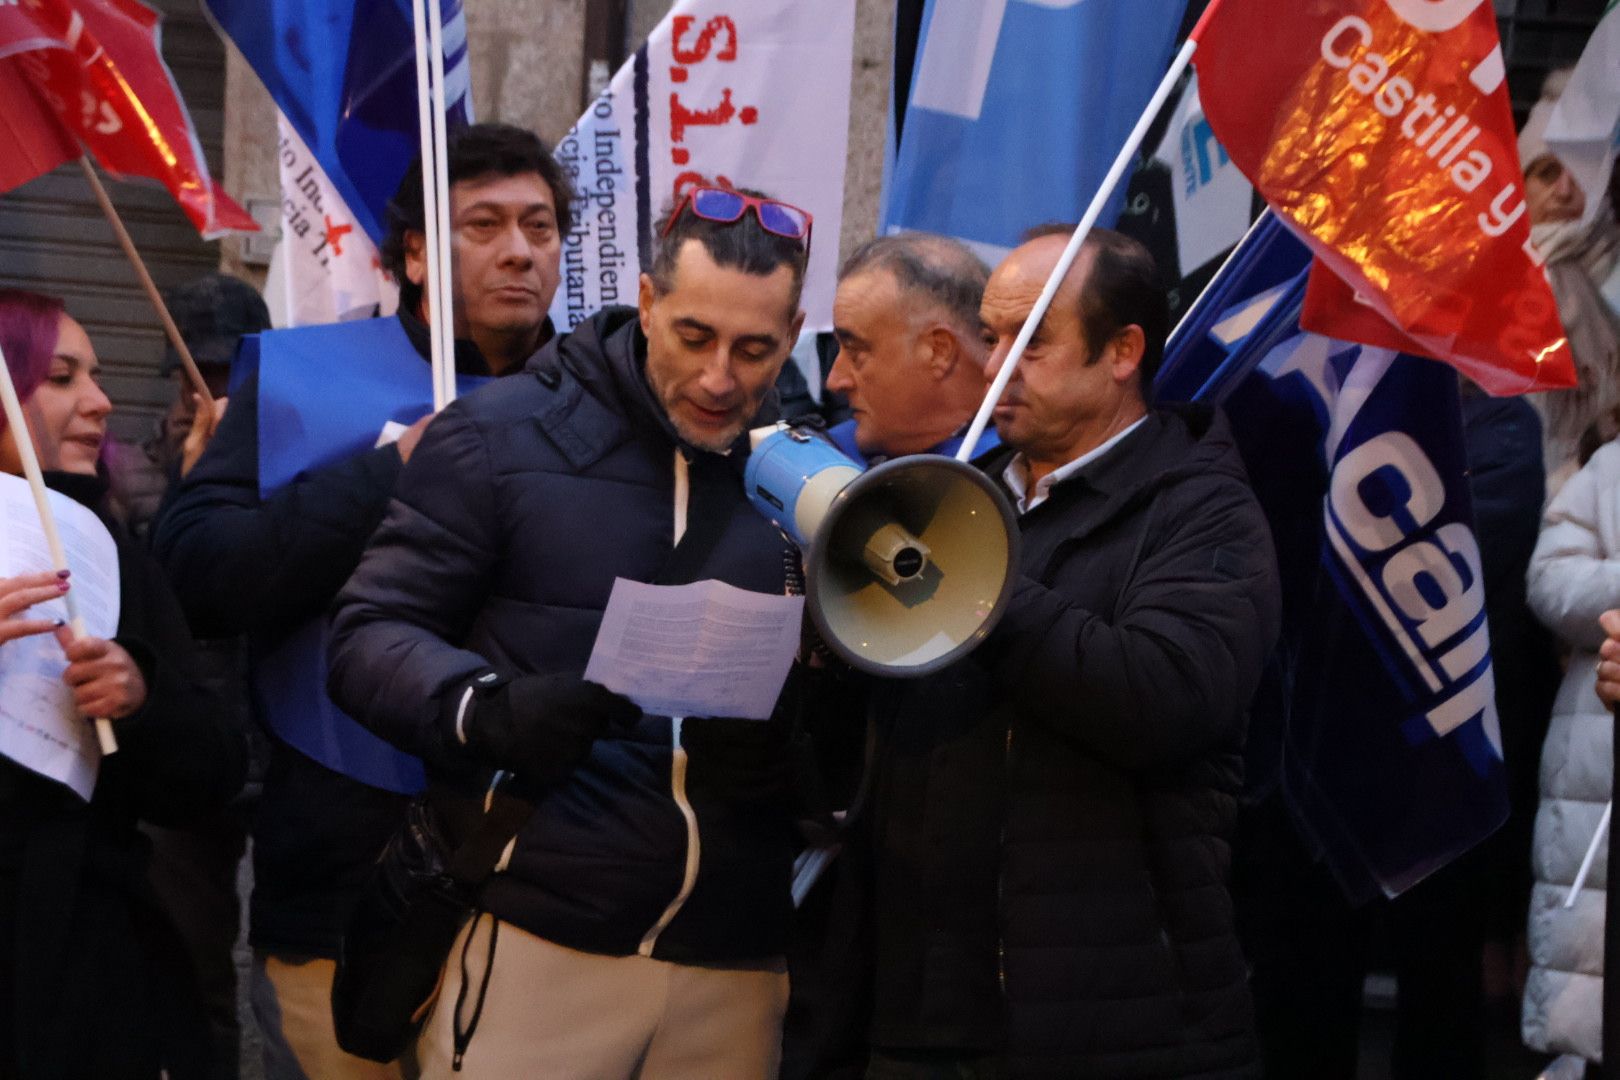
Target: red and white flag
(90,72)
(1380,131)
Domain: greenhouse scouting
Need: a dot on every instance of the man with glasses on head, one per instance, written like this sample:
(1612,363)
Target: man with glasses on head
(637,923)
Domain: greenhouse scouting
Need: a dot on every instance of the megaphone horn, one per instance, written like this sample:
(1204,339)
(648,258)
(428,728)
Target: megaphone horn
(908,565)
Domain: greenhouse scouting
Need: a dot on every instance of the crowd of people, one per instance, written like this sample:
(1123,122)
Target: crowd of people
(1046,860)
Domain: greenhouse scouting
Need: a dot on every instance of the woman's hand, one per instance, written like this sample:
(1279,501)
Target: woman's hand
(22,592)
(106,683)
(1608,669)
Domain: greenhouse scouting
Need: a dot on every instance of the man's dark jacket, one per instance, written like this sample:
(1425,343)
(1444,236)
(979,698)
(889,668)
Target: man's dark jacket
(1053,815)
(523,503)
(244,564)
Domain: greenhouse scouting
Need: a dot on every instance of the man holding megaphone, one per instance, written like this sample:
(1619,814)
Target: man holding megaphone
(638,919)
(1052,815)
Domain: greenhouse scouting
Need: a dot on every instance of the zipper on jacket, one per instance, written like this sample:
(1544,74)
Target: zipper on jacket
(694,848)
(678,759)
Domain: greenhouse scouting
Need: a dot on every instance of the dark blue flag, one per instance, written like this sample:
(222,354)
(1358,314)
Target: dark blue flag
(343,72)
(1378,719)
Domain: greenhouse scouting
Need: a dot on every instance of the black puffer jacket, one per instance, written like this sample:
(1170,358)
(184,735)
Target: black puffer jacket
(92,977)
(1053,815)
(523,503)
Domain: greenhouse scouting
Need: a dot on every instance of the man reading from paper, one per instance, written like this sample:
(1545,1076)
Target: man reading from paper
(637,927)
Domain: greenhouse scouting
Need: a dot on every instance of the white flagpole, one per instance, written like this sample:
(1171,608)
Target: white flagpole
(47,521)
(430,221)
(1591,856)
(1059,272)
(444,301)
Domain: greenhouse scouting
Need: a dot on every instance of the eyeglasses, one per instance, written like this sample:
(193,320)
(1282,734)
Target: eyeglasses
(726,206)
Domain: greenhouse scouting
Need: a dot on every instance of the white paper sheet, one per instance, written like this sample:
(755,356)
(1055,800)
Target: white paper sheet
(705,649)
(39,727)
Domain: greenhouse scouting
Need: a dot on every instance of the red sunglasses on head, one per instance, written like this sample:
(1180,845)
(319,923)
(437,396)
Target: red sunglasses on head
(726,206)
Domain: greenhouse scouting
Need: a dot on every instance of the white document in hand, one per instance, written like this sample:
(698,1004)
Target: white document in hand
(705,649)
(39,727)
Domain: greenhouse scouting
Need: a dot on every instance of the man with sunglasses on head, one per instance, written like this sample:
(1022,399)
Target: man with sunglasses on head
(636,925)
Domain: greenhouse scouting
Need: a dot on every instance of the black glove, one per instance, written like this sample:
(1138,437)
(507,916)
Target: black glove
(741,760)
(539,727)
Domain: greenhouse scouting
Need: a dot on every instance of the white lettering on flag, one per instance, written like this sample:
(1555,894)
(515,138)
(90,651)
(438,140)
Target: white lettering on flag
(754,95)
(1211,195)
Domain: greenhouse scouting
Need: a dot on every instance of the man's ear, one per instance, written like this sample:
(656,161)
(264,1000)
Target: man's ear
(1127,347)
(415,256)
(645,294)
(940,351)
(793,331)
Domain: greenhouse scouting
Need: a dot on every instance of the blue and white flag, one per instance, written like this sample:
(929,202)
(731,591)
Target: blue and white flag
(343,73)
(1017,109)
(1378,718)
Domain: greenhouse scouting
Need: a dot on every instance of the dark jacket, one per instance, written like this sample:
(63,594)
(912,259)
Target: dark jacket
(241,564)
(1053,814)
(90,982)
(523,503)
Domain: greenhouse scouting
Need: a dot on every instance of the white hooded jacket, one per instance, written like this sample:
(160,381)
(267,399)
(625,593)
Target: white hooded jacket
(1574,577)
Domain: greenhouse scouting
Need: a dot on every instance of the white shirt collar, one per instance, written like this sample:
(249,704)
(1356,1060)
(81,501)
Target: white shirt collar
(1016,474)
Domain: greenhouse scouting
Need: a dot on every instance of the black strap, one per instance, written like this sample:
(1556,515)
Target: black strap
(474,861)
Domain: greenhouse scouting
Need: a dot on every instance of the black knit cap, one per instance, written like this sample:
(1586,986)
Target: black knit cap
(214,312)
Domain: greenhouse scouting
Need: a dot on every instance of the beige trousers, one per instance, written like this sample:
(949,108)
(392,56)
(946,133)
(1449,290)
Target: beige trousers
(303,989)
(552,1013)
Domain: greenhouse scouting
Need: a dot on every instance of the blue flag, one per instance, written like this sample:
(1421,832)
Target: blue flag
(343,72)
(313,413)
(1378,719)
(1017,108)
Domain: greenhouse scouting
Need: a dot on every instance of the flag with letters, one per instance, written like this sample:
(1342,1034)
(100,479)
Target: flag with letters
(722,93)
(1380,132)
(1377,719)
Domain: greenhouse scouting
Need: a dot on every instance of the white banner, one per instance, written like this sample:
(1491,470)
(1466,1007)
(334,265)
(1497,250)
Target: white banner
(1212,197)
(326,268)
(751,94)
(1585,125)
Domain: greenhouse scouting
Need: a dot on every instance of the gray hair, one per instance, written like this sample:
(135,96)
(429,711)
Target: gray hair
(936,267)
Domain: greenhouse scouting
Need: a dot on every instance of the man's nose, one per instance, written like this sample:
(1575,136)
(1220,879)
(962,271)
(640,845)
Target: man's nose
(718,379)
(841,377)
(515,245)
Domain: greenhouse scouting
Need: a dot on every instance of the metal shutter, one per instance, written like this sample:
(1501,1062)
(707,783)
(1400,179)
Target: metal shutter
(53,238)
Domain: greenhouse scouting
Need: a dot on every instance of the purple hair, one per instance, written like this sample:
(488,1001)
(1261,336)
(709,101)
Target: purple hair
(29,327)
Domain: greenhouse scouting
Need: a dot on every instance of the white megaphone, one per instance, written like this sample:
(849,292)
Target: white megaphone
(908,565)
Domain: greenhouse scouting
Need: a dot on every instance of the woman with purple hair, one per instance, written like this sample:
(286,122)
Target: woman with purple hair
(93,980)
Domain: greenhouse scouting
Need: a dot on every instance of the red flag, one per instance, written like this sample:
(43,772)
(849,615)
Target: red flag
(1380,131)
(32,143)
(96,75)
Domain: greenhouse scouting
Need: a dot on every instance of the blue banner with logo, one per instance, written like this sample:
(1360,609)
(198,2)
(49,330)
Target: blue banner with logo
(1378,719)
(325,394)
(1016,110)
(343,72)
